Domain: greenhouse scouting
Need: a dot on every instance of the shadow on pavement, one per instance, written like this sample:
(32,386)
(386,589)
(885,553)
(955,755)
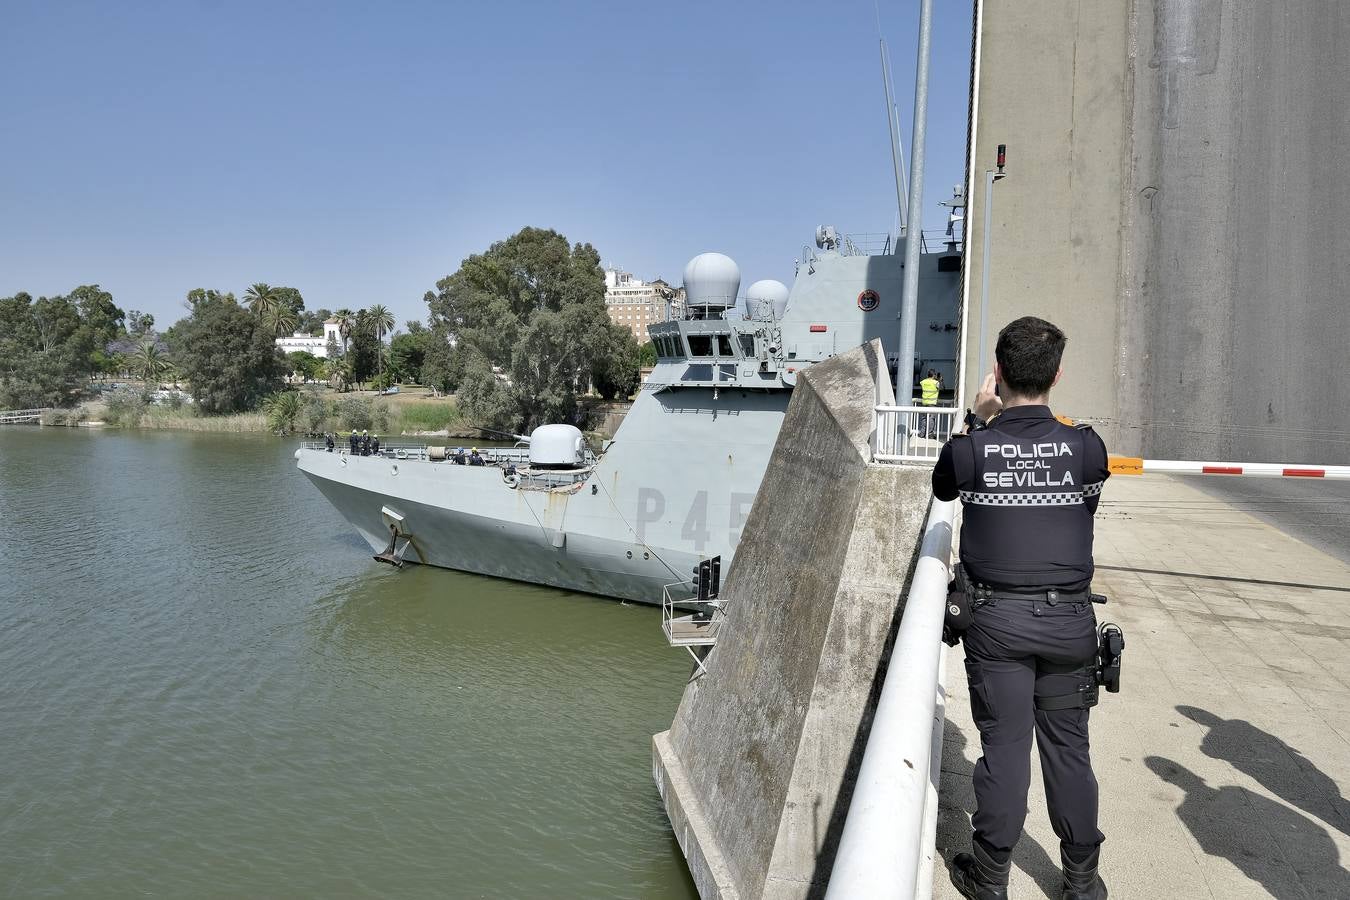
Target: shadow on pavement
(1276,766)
(953,827)
(1240,826)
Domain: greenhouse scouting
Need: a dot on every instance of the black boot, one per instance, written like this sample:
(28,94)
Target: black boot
(978,877)
(1081,881)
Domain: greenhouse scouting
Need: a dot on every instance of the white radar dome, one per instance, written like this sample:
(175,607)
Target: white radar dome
(712,280)
(766,299)
(557,445)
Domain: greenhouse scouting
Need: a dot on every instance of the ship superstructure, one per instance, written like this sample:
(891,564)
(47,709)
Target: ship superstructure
(676,483)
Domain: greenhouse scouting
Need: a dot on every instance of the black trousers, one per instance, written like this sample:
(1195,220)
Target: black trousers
(1017,650)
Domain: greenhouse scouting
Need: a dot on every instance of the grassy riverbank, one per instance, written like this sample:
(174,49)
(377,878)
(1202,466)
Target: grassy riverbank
(321,411)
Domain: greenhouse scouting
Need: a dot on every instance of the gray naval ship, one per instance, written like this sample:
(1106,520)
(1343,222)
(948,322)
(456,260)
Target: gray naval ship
(676,483)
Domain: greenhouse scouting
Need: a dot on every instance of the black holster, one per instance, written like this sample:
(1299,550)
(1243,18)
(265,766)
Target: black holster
(958,618)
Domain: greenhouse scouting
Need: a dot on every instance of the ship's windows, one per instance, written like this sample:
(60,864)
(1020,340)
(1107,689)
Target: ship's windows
(673,348)
(700,345)
(747,345)
(724,345)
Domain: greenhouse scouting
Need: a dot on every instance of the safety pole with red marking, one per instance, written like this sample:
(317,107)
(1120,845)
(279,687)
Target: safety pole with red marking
(1134,465)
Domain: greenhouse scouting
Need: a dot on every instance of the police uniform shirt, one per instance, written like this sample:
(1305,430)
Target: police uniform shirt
(1029,485)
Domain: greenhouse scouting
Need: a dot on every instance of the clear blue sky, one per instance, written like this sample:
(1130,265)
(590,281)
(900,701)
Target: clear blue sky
(358,152)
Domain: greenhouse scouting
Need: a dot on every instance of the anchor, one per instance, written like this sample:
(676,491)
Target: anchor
(394,553)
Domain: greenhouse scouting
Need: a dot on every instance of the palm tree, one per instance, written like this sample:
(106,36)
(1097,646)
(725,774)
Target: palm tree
(346,319)
(149,363)
(282,320)
(282,410)
(379,318)
(261,298)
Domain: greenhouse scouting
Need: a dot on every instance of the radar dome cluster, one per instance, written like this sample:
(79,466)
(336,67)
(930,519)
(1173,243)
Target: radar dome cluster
(711,282)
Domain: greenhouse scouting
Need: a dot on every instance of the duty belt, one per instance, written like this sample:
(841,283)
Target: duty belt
(1049,596)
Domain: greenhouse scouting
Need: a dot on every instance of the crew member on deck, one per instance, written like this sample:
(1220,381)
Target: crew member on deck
(1029,485)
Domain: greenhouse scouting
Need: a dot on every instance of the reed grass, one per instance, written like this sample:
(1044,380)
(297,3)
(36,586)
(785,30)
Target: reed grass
(424,416)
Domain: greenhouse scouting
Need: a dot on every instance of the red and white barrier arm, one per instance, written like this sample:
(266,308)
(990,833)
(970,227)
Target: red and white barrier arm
(1133,465)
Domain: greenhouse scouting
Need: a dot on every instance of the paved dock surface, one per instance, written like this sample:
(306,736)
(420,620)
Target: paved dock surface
(1225,760)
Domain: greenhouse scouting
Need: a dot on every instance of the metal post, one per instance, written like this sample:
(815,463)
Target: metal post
(984,278)
(909,294)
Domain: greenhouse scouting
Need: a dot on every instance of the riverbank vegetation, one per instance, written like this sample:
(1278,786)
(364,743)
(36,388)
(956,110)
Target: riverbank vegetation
(516,337)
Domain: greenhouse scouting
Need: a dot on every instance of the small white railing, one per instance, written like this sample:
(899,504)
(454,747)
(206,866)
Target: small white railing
(689,622)
(911,434)
(887,846)
(16,416)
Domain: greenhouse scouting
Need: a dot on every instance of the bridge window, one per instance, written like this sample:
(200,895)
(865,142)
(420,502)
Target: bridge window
(724,345)
(700,345)
(747,345)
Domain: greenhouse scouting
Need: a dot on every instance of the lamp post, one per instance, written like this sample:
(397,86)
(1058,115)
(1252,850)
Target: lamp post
(990,176)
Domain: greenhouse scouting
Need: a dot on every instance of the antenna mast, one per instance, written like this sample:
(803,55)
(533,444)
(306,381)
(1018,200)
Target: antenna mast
(897,146)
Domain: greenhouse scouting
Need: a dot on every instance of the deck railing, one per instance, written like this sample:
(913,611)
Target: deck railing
(911,434)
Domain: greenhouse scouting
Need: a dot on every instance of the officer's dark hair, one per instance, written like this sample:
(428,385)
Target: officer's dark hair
(1028,352)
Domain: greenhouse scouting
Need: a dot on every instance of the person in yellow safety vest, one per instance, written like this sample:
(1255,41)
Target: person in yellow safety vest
(928,396)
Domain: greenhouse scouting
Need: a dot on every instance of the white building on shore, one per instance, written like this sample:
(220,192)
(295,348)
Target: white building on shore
(315,346)
(635,304)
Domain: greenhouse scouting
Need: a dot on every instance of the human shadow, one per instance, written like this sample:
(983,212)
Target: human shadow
(1276,766)
(956,804)
(1288,854)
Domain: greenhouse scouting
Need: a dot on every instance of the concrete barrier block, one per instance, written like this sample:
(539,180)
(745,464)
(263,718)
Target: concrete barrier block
(756,770)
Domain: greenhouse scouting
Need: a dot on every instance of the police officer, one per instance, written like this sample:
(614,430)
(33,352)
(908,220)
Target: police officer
(354,442)
(1029,486)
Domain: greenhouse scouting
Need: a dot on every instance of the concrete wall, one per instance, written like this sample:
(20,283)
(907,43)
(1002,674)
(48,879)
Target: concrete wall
(1175,201)
(1051,77)
(755,768)
(1237,267)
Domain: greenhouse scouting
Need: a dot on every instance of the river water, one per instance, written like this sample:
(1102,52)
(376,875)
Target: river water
(208,688)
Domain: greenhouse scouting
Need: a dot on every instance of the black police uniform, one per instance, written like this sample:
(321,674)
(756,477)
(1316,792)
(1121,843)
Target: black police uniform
(1029,486)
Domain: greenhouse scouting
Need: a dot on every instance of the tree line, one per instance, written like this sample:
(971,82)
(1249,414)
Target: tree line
(519,332)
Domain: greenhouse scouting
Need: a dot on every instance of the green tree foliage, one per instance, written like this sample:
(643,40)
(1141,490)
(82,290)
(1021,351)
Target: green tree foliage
(126,407)
(311,321)
(346,322)
(261,298)
(280,320)
(362,413)
(99,313)
(228,357)
(290,298)
(139,324)
(305,364)
(406,352)
(380,320)
(47,346)
(283,411)
(441,366)
(530,331)
(150,363)
(647,355)
(362,349)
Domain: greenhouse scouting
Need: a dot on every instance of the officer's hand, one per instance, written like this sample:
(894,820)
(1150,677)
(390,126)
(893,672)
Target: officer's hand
(987,403)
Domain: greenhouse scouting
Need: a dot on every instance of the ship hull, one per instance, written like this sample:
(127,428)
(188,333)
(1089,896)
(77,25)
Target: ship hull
(675,487)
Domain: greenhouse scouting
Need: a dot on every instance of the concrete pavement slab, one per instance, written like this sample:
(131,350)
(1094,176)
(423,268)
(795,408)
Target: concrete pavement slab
(1224,762)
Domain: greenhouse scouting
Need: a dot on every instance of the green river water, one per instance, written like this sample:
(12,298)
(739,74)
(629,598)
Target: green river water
(210,689)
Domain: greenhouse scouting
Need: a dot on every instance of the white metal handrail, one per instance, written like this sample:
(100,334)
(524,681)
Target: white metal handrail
(886,847)
(911,434)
